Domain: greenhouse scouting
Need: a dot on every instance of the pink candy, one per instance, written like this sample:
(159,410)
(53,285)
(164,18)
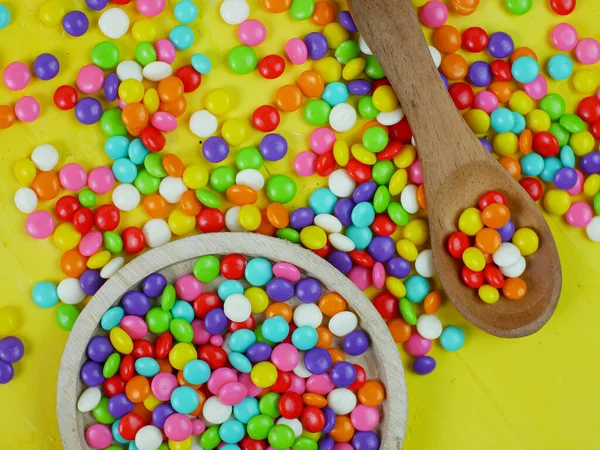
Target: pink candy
(322,140)
(90,79)
(134,326)
(538,88)
(319,384)
(360,276)
(416,345)
(39,224)
(298,385)
(101,180)
(485,101)
(165,51)
(201,336)
(364,418)
(73,177)
(90,243)
(579,214)
(178,427)
(98,436)
(16,76)
(217,340)
(564,37)
(252,32)
(163,385)
(285,357)
(219,378)
(296,51)
(151,8)
(253,390)
(305,163)
(576,190)
(188,287)
(198,427)
(232,393)
(415,174)
(434,14)
(588,51)
(286,271)
(27,109)
(164,121)
(378,275)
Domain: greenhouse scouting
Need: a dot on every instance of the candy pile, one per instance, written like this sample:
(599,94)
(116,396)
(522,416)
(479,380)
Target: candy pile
(11,347)
(178,362)
(494,262)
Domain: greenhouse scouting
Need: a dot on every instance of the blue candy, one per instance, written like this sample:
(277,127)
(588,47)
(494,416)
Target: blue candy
(183,310)
(246,410)
(532,164)
(560,67)
(525,69)
(228,287)
(241,340)
(322,201)
(360,236)
(45,294)
(186,11)
(417,288)
(258,272)
(304,338)
(335,93)
(124,170)
(117,147)
(184,399)
(201,63)
(147,367)
(502,120)
(182,37)
(196,372)
(275,329)
(452,339)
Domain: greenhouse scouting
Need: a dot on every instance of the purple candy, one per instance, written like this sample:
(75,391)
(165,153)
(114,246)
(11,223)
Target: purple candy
(424,365)
(88,111)
(381,248)
(347,21)
(342,374)
(308,290)
(340,260)
(135,303)
(154,285)
(301,218)
(215,149)
(398,267)
(500,45)
(343,211)
(356,343)
(359,87)
(161,413)
(260,351)
(75,23)
(111,87)
(46,66)
(216,321)
(119,405)
(6,372)
(280,289)
(11,349)
(96,5)
(317,45)
(565,178)
(364,192)
(90,281)
(590,163)
(365,440)
(317,360)
(445,80)
(486,144)
(273,147)
(330,418)
(327,443)
(91,373)
(99,349)
(480,74)
(507,231)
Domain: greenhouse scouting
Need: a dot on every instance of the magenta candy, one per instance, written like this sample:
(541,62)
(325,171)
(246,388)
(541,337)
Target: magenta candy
(219,378)
(165,51)
(379,275)
(319,384)
(416,345)
(164,121)
(286,271)
(188,287)
(90,243)
(98,436)
(201,336)
(415,173)
(298,385)
(285,357)
(360,276)
(232,393)
(579,214)
(134,326)
(364,418)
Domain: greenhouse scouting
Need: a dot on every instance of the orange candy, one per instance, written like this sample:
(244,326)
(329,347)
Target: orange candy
(372,393)
(173,165)
(190,205)
(46,185)
(343,430)
(525,142)
(265,226)
(325,337)
(280,309)
(522,51)
(447,39)
(155,206)
(176,108)
(502,90)
(511,165)
(464,7)
(324,14)
(288,98)
(277,6)
(201,400)
(164,365)
(183,382)
(135,132)
(495,215)
(7,117)
(399,330)
(336,355)
(421,199)
(311,83)
(316,400)
(137,389)
(432,302)
(170,89)
(240,195)
(331,304)
(372,123)
(488,240)
(141,410)
(454,66)
(514,288)
(134,116)
(73,263)
(278,215)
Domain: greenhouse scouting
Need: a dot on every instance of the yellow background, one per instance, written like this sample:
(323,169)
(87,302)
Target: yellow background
(539,392)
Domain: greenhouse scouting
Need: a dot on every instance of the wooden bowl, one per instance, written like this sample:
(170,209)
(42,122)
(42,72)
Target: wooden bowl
(381,361)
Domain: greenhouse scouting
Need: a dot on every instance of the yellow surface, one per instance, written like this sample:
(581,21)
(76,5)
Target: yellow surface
(539,392)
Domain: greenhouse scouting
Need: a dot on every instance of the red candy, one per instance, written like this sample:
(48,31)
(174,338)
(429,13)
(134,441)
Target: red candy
(474,40)
(563,7)
(190,78)
(250,444)
(361,258)
(545,144)
(107,217)
(206,302)
(324,251)
(210,220)
(283,382)
(533,186)
(271,67)
(462,95)
(378,83)
(65,98)
(83,220)
(212,355)
(361,378)
(358,171)
(501,70)
(387,305)
(142,348)
(325,164)
(129,425)
(383,225)
(290,405)
(116,384)
(493,276)
(65,207)
(233,266)
(589,109)
(163,345)
(266,118)
(401,132)
(127,369)
(312,419)
(491,197)
(153,139)
(472,279)
(133,240)
(392,149)
(248,324)
(458,242)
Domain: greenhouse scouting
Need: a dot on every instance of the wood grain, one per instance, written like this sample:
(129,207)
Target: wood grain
(176,258)
(457,171)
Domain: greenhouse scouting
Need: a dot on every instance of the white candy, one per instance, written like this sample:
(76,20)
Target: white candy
(232,221)
(157,70)
(429,326)
(342,401)
(436,56)
(237,308)
(294,424)
(424,264)
(126,197)
(25,200)
(112,267)
(300,370)
(216,412)
(506,255)
(156,232)
(341,242)
(234,12)
(328,222)
(203,124)
(363,46)
(69,291)
(514,270)
(343,323)
(390,118)
(342,117)
(114,23)
(45,157)
(592,229)
(408,199)
(148,438)
(172,188)
(413,142)
(130,69)
(89,399)
(251,178)
(308,314)
(341,183)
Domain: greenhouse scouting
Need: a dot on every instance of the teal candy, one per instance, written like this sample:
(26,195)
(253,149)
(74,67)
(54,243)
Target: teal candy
(240,362)
(112,318)
(417,288)
(229,447)
(201,63)
(532,164)
(567,157)
(525,69)
(304,338)
(246,410)
(182,37)
(232,431)
(363,214)
(115,432)
(360,236)
(258,272)
(560,67)
(186,11)
(196,372)
(183,310)
(116,147)
(322,201)
(147,367)
(452,338)
(275,329)
(124,170)
(45,294)
(184,399)
(132,446)
(502,120)
(335,93)
(241,340)
(520,123)
(228,287)
(551,166)
(137,151)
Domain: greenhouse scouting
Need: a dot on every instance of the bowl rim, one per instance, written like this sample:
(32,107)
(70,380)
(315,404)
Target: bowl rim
(70,422)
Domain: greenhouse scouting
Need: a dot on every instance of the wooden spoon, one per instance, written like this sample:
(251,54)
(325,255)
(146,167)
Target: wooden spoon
(457,171)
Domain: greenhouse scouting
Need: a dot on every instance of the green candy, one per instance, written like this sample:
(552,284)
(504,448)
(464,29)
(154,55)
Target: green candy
(112,242)
(398,214)
(145,53)
(207,198)
(210,438)
(66,316)
(111,365)
(383,171)
(168,297)
(572,123)
(222,178)
(375,139)
(289,234)
(87,198)
(518,7)
(268,405)
(281,437)
(258,427)
(249,158)
(381,199)
(281,189)
(101,413)
(559,133)
(302,9)
(146,183)
(373,68)
(181,330)
(316,112)
(158,320)
(347,51)
(305,443)
(407,311)
(164,446)
(242,59)
(597,204)
(554,105)
(106,55)
(111,123)
(154,166)
(207,268)
(260,337)
(116,447)
(366,108)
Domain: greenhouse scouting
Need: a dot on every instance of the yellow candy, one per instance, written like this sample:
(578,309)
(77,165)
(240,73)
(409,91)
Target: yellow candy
(506,144)
(556,202)
(407,250)
(488,294)
(151,100)
(406,157)
(131,91)
(9,319)
(259,300)
(218,102)
(478,120)
(151,402)
(341,153)
(234,131)
(526,240)
(384,99)
(582,143)
(329,68)
(98,260)
(363,155)
(313,237)
(314,436)
(335,34)
(181,354)
(395,286)
(25,171)
(416,231)
(470,221)
(264,374)
(195,176)
(419,3)
(521,102)
(398,181)
(353,69)
(538,120)
(121,341)
(186,444)
(585,81)
(180,223)
(66,237)
(145,30)
(591,186)
(249,217)
(474,259)
(52,12)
